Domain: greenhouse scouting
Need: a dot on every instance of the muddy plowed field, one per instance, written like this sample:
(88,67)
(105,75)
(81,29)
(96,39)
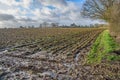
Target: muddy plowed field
(47,54)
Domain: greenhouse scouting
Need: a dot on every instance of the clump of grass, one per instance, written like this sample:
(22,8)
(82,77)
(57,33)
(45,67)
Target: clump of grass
(101,49)
(113,57)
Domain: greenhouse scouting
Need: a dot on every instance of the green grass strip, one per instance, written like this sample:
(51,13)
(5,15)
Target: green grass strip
(101,49)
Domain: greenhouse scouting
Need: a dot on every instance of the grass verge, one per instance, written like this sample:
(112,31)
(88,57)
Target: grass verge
(102,48)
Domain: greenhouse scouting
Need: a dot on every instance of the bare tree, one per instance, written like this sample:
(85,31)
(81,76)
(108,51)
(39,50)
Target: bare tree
(73,25)
(99,8)
(54,24)
(108,10)
(21,27)
(45,24)
(40,26)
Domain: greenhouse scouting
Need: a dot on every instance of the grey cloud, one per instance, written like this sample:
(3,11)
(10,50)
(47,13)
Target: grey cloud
(27,20)
(6,17)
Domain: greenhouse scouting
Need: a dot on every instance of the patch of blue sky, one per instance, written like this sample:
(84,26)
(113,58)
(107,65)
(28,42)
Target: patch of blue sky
(50,7)
(20,8)
(17,0)
(35,5)
(76,0)
(29,15)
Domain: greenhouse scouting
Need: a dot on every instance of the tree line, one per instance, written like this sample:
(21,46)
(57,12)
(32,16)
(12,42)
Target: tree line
(56,25)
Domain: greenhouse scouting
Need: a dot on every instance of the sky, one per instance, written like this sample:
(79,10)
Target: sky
(15,13)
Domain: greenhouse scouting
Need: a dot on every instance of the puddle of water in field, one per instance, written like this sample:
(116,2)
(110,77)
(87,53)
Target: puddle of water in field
(49,73)
(3,51)
(62,69)
(77,57)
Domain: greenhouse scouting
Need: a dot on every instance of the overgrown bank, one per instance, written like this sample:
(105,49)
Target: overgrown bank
(102,49)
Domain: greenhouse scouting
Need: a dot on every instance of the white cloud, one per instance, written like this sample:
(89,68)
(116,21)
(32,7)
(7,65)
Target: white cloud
(33,12)
(55,3)
(26,3)
(11,3)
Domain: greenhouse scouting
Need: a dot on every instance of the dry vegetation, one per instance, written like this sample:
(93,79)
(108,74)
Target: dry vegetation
(46,37)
